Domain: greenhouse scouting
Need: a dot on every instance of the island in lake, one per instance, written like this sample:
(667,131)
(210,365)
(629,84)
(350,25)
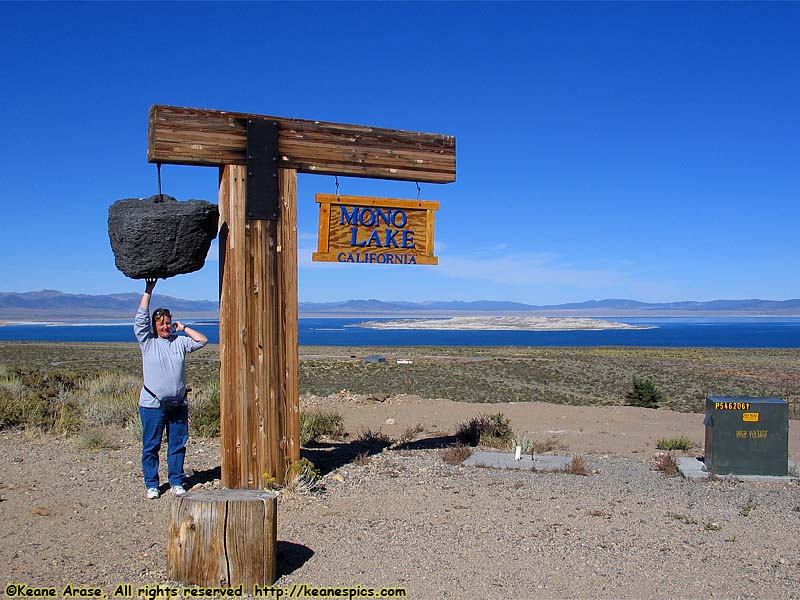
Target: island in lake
(503,323)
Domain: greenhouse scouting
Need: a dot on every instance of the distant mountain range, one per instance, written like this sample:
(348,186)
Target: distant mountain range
(49,305)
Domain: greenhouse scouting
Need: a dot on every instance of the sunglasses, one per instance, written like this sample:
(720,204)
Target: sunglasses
(161,312)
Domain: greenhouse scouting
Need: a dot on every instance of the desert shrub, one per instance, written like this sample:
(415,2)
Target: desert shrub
(10,409)
(39,400)
(684,518)
(315,424)
(487,430)
(204,411)
(665,462)
(679,443)
(578,466)
(456,454)
(643,393)
(529,445)
(303,477)
(109,399)
(747,508)
(97,439)
(410,433)
(374,438)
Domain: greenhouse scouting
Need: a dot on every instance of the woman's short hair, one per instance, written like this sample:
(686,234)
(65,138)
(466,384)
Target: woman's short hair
(158,314)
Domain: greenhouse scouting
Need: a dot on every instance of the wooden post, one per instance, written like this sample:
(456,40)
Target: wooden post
(223,538)
(259,398)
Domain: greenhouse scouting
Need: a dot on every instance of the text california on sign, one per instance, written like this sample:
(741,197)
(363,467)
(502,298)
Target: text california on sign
(363,229)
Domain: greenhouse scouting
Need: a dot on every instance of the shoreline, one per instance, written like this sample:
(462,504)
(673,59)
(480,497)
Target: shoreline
(127,320)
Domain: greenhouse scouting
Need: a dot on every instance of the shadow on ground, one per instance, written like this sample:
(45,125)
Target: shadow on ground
(291,556)
(205,476)
(329,456)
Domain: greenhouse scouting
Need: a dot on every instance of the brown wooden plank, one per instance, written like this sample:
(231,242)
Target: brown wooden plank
(322,226)
(229,324)
(289,406)
(256,409)
(212,138)
(429,232)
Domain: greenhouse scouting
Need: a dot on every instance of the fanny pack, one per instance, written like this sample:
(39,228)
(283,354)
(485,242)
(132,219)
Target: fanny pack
(167,404)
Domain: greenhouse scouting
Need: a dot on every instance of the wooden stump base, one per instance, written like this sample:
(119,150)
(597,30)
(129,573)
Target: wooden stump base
(223,538)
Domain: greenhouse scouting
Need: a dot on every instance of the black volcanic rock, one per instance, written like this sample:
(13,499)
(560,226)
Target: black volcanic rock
(159,237)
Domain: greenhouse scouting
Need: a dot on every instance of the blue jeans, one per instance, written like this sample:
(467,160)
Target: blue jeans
(154,421)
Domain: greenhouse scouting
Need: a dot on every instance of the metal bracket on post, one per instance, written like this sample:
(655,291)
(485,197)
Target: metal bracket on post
(262,170)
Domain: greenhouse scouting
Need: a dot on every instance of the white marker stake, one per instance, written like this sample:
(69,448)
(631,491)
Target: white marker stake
(518,453)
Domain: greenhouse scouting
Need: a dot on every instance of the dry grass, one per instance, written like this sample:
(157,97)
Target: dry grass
(455,455)
(410,434)
(578,376)
(550,444)
(303,478)
(684,518)
(369,437)
(578,466)
(97,439)
(109,398)
(665,462)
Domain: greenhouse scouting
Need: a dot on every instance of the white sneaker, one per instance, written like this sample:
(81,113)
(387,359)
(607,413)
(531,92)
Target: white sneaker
(153,493)
(178,490)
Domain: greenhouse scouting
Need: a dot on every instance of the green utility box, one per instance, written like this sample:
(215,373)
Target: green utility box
(747,436)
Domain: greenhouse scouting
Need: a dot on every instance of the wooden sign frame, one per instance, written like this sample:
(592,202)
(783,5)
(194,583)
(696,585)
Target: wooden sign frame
(375,230)
(259,359)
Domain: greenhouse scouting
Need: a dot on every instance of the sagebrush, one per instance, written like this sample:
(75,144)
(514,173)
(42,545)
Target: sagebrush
(678,443)
(315,424)
(486,430)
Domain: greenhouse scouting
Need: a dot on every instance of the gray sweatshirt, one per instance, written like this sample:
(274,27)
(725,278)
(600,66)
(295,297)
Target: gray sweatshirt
(163,362)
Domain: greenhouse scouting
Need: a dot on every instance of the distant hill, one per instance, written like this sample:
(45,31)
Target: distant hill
(49,305)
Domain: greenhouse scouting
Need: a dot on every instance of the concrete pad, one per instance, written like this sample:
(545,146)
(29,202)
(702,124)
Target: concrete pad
(505,460)
(694,469)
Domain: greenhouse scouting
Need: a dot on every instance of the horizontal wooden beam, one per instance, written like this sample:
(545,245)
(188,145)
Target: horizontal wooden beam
(192,136)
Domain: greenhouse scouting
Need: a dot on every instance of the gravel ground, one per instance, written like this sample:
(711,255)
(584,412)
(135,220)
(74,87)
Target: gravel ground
(403,517)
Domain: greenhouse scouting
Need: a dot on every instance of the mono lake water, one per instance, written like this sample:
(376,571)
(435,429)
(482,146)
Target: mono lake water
(733,332)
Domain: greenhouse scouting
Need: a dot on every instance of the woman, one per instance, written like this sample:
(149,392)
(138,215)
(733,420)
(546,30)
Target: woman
(162,401)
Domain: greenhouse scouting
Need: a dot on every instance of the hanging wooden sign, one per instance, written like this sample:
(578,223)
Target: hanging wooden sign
(363,229)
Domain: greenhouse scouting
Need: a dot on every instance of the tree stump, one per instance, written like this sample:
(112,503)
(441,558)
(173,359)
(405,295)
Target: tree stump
(223,538)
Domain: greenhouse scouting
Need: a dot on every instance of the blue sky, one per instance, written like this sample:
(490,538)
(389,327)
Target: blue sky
(637,150)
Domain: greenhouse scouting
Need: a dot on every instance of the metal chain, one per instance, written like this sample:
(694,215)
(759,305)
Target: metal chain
(158,169)
(337,185)
(418,189)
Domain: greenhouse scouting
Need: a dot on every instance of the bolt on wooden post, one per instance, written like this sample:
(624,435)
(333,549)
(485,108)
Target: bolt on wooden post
(259,396)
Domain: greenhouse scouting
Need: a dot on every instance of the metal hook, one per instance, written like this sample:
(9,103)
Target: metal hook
(418,189)
(337,185)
